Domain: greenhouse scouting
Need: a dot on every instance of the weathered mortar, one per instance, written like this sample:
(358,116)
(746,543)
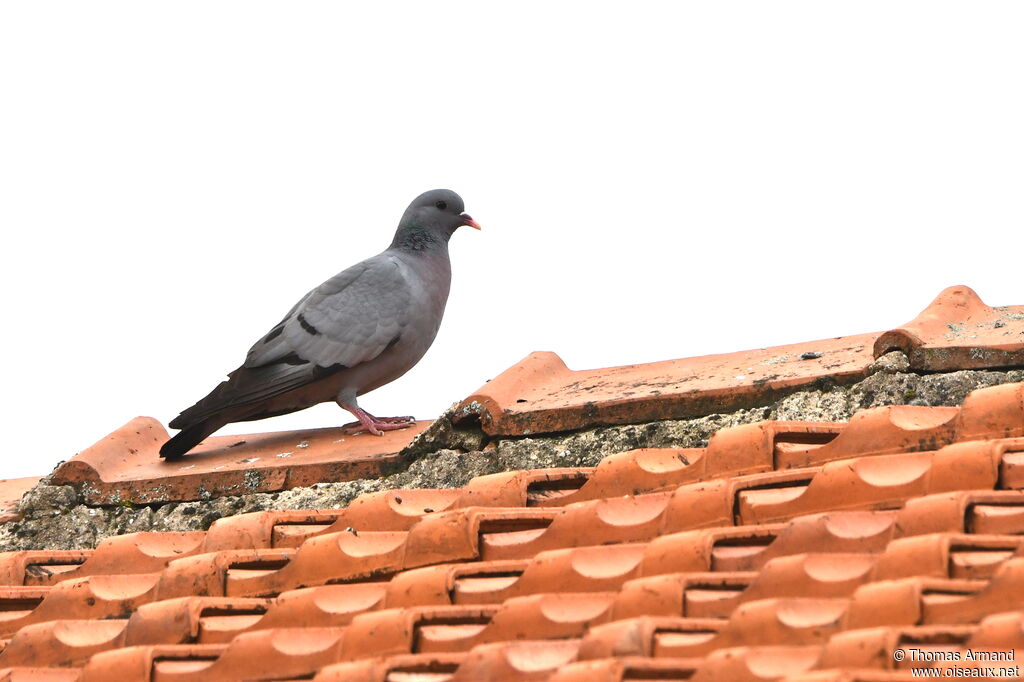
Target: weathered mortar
(447,457)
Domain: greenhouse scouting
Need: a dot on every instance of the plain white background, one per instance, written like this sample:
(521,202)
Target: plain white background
(655,180)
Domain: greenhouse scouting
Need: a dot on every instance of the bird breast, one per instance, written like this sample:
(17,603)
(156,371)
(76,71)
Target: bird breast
(428,278)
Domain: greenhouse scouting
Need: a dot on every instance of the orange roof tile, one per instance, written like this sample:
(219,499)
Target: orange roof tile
(39,674)
(625,668)
(958,331)
(541,395)
(443,667)
(11,490)
(789,550)
(124,466)
(203,620)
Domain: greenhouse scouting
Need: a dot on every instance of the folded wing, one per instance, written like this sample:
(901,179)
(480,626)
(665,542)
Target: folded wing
(348,320)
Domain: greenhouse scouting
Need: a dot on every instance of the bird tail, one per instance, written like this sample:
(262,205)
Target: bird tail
(242,397)
(188,438)
(205,410)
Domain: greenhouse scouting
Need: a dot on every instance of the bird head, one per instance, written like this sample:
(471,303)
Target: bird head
(439,211)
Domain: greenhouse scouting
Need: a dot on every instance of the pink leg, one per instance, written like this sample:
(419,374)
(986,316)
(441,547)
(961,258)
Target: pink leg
(392,420)
(376,425)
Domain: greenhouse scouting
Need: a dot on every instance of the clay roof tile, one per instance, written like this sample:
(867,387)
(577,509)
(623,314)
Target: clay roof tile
(125,466)
(796,550)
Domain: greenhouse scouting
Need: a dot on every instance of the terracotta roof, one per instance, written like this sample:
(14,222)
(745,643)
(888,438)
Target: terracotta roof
(121,467)
(11,490)
(783,550)
(541,395)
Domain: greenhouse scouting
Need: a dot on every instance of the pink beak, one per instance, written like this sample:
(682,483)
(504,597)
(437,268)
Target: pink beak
(466,220)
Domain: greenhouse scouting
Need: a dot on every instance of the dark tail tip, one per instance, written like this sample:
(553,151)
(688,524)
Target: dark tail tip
(186,439)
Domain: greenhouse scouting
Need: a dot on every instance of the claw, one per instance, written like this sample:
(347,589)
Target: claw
(376,425)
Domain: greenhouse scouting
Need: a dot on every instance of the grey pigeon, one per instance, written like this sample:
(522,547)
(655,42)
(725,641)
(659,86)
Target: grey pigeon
(359,330)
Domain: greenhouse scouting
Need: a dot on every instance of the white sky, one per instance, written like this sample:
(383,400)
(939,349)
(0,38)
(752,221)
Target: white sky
(655,180)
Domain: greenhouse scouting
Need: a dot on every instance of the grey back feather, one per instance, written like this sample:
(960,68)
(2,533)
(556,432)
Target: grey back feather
(349,319)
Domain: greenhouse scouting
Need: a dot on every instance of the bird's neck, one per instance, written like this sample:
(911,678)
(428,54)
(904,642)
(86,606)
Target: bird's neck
(416,238)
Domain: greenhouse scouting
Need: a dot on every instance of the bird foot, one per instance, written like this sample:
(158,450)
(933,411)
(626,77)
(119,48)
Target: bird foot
(376,425)
(395,420)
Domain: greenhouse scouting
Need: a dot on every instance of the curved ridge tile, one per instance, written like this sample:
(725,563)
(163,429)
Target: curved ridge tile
(39,674)
(541,395)
(207,575)
(524,487)
(1002,592)
(387,510)
(185,620)
(879,482)
(546,616)
(11,492)
(62,642)
(959,331)
(601,521)
(39,566)
(628,668)
(90,597)
(787,620)
(478,582)
(262,529)
(880,431)
(757,663)
(992,412)
(964,511)
(516,661)
(322,606)
(475,533)
(426,667)
(144,552)
(260,655)
(427,629)
(945,555)
(811,575)
(640,636)
(905,601)
(686,594)
(321,559)
(125,466)
(142,663)
(873,647)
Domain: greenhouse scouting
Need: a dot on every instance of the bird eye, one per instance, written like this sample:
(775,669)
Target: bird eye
(441,205)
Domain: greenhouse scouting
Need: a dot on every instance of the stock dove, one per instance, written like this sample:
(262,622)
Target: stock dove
(359,330)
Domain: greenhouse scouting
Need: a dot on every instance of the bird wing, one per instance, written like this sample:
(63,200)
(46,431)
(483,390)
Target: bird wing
(349,319)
